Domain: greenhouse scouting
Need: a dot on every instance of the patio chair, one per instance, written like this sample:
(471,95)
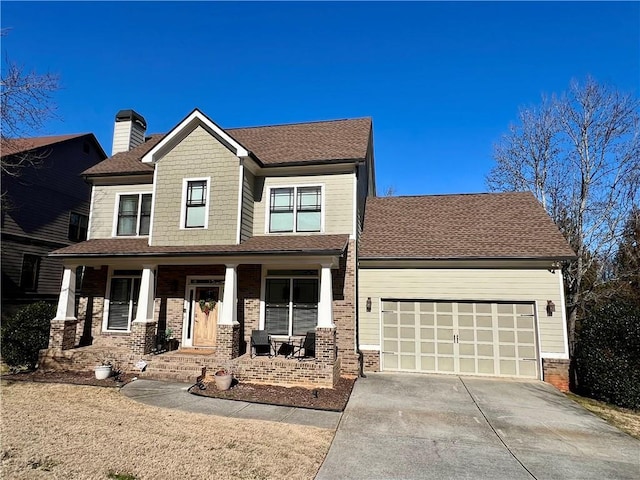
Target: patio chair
(260,343)
(307,348)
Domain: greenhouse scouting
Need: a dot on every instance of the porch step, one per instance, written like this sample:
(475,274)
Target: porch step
(177,366)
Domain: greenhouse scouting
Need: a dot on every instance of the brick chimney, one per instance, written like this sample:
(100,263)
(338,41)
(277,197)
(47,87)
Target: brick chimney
(128,131)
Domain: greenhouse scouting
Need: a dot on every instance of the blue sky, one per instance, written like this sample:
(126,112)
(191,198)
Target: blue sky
(442,81)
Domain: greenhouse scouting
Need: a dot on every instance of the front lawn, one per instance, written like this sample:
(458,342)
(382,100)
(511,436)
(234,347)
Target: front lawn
(71,431)
(626,420)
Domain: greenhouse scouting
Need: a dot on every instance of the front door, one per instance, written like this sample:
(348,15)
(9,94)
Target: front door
(205,320)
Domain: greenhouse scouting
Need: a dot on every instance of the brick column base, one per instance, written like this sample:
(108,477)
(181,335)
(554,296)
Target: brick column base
(228,341)
(143,337)
(556,372)
(62,334)
(326,345)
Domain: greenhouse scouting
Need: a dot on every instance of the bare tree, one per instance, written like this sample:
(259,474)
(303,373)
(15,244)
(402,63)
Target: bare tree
(26,103)
(579,153)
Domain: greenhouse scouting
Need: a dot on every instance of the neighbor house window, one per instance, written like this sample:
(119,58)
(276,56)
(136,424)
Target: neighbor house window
(195,203)
(123,299)
(295,209)
(291,303)
(29,273)
(78,227)
(134,214)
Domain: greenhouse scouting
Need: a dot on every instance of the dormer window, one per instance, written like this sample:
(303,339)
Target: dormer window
(295,209)
(134,215)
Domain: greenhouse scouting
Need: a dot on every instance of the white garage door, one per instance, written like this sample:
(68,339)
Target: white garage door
(468,338)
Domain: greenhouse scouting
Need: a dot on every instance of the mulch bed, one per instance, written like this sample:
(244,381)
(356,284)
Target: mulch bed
(333,399)
(74,378)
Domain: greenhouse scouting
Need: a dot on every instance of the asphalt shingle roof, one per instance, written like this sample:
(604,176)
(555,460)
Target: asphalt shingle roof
(490,225)
(275,244)
(12,146)
(314,142)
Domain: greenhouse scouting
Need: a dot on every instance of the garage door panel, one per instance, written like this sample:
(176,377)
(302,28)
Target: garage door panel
(476,338)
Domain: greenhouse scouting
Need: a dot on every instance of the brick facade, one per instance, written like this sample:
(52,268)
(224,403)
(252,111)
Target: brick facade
(228,341)
(344,310)
(326,345)
(556,372)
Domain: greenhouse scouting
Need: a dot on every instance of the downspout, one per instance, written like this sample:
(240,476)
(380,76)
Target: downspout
(356,286)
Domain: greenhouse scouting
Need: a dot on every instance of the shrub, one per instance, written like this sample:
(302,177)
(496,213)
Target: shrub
(25,333)
(608,354)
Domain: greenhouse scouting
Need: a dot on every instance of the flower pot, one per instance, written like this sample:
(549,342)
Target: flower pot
(223,382)
(103,372)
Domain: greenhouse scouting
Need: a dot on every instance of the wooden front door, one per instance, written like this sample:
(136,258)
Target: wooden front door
(205,323)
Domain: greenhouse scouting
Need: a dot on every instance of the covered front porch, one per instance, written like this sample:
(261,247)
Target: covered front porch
(207,305)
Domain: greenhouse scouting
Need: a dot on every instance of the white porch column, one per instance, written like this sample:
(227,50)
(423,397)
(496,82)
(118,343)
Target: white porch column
(325,306)
(67,300)
(147,295)
(229,315)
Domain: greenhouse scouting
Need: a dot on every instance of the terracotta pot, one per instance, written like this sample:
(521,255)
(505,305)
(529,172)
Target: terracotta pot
(102,372)
(223,382)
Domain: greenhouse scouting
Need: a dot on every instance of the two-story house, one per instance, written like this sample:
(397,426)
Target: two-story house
(45,206)
(212,233)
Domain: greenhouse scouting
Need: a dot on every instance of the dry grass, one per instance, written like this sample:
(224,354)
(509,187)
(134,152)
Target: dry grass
(69,431)
(626,420)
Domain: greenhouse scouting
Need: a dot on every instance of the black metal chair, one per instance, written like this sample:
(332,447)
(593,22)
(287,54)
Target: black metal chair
(260,343)
(307,348)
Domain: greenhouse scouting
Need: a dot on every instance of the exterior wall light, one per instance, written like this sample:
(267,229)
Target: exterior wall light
(551,307)
(368,304)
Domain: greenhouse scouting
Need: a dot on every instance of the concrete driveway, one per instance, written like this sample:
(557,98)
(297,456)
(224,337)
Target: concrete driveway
(403,426)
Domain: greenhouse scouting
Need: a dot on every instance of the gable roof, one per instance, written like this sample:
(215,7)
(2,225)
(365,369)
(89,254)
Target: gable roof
(13,146)
(472,226)
(274,145)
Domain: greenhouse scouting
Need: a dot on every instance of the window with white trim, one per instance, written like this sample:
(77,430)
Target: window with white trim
(291,302)
(134,214)
(124,290)
(295,209)
(195,203)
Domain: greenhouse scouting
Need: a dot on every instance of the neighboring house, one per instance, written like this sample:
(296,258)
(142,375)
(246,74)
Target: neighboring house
(44,207)
(267,224)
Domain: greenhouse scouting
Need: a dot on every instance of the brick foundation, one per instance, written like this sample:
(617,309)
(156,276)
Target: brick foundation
(371,360)
(143,338)
(62,334)
(286,371)
(556,372)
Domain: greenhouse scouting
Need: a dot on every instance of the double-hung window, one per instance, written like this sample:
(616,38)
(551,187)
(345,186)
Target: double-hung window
(134,214)
(123,299)
(29,273)
(195,203)
(295,209)
(291,302)
(78,227)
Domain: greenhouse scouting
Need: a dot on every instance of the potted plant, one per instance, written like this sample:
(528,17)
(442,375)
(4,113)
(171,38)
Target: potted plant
(223,378)
(171,342)
(103,371)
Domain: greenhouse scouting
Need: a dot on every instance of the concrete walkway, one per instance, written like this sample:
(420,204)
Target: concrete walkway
(176,396)
(442,427)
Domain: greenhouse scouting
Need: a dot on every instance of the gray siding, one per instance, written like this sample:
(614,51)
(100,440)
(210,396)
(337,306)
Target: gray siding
(248,183)
(463,284)
(198,155)
(40,201)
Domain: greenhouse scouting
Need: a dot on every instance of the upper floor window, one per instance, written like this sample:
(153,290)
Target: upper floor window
(29,273)
(295,209)
(134,214)
(78,227)
(195,203)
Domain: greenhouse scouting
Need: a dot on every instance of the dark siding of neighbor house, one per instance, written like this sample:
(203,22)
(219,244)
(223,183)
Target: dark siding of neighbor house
(36,220)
